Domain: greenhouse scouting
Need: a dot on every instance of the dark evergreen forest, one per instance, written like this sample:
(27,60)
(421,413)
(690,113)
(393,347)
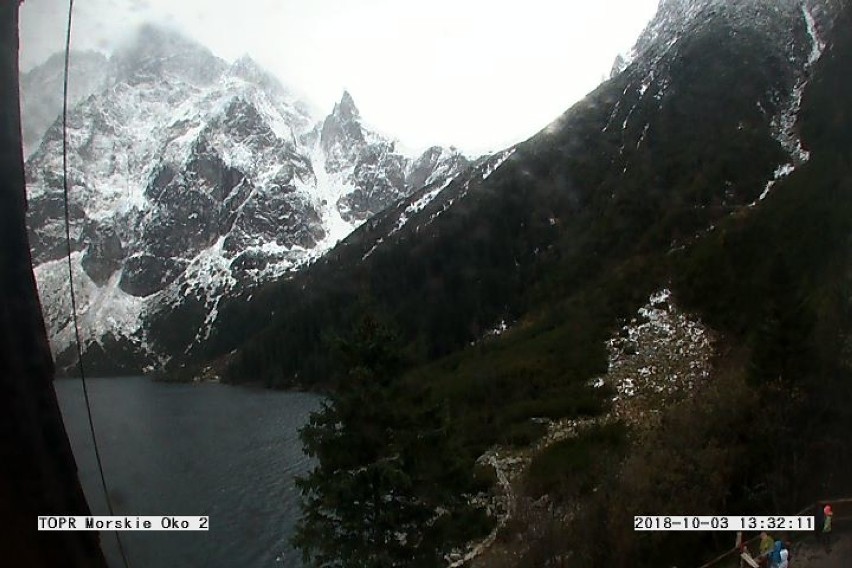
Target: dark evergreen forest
(566,239)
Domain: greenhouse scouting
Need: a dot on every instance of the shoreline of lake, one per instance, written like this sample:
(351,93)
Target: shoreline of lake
(227,451)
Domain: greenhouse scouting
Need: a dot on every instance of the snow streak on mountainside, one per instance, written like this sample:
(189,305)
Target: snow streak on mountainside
(191,182)
(436,196)
(793,27)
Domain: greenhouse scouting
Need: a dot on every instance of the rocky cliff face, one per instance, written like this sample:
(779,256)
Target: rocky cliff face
(191,182)
(42,87)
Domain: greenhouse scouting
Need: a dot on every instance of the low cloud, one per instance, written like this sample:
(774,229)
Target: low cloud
(479,74)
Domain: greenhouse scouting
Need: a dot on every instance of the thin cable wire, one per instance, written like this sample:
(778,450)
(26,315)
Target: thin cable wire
(71,276)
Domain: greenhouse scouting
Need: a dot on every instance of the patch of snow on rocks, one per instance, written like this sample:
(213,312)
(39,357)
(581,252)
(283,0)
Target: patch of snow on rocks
(492,166)
(656,359)
(102,310)
(329,189)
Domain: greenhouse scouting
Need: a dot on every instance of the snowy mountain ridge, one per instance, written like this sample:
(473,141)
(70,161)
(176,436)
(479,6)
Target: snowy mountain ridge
(649,63)
(193,181)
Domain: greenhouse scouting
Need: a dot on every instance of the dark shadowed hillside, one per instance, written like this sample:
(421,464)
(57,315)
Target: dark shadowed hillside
(642,306)
(678,141)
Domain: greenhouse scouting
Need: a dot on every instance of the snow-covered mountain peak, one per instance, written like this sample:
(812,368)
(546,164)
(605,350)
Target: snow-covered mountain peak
(193,181)
(346,110)
(785,35)
(675,18)
(434,164)
(619,64)
(245,66)
(342,136)
(249,70)
(157,52)
(287,114)
(158,41)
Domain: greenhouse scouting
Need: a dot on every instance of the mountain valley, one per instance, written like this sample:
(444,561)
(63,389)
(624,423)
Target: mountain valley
(632,312)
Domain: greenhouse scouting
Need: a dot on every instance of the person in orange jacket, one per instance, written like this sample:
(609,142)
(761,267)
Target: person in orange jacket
(827,516)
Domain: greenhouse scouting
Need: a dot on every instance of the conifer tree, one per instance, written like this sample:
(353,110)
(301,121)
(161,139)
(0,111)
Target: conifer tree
(391,485)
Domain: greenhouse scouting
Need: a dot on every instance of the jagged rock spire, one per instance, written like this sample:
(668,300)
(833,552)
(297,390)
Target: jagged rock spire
(342,128)
(346,109)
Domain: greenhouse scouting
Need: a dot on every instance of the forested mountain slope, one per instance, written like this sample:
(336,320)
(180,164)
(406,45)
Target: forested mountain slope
(700,125)
(705,187)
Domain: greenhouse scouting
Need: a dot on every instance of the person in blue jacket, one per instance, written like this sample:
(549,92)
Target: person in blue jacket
(775,555)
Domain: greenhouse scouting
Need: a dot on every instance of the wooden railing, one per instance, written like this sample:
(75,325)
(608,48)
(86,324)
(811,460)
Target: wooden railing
(842,509)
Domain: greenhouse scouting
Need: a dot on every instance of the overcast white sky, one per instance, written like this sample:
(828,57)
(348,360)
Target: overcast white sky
(479,74)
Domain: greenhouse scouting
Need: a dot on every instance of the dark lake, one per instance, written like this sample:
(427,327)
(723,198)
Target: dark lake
(179,449)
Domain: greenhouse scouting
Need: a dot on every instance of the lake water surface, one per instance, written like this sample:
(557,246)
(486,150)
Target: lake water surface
(178,449)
